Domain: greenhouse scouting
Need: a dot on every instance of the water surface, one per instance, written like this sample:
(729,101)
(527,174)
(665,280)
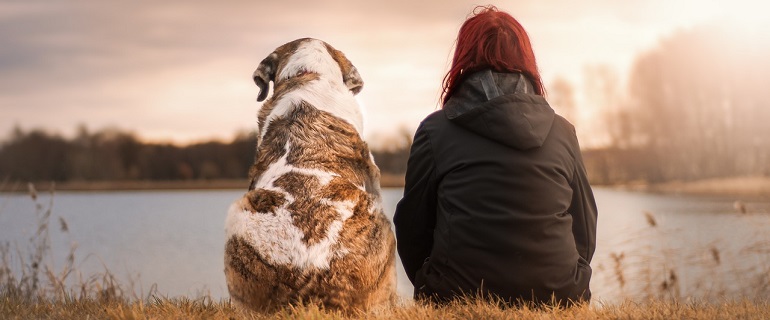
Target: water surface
(175,239)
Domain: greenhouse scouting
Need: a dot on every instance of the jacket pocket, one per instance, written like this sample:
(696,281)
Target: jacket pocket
(434,285)
(582,291)
(421,289)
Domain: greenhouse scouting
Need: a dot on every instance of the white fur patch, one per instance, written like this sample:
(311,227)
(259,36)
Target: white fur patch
(323,94)
(274,235)
(311,56)
(281,167)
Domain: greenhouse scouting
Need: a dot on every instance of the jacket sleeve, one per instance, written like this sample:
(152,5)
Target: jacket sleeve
(415,216)
(583,210)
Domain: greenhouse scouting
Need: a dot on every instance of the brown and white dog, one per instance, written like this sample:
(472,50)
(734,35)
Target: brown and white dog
(311,228)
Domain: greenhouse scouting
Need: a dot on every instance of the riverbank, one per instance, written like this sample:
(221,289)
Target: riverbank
(128,185)
(749,187)
(185,308)
(752,187)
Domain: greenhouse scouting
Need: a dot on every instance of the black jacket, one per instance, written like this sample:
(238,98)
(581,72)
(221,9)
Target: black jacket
(497,197)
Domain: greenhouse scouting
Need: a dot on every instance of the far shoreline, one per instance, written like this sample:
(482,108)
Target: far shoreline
(747,188)
(744,187)
(386,181)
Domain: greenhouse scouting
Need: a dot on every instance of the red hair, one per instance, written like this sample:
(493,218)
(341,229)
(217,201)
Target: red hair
(491,39)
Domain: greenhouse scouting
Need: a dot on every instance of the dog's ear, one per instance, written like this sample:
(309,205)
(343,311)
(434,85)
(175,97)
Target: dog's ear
(352,79)
(264,74)
(350,75)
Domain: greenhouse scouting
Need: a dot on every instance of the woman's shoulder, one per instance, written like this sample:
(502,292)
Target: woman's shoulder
(562,122)
(435,116)
(434,120)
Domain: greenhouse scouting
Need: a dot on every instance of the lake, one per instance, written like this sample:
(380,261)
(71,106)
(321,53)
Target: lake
(648,245)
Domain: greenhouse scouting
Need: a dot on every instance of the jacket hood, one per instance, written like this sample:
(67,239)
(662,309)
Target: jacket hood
(502,107)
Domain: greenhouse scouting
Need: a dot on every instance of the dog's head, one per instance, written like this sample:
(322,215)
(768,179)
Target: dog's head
(306,55)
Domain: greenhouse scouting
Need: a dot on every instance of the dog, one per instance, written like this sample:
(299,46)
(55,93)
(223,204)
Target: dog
(311,228)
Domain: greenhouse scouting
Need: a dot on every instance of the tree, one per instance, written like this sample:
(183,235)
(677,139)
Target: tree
(34,155)
(699,106)
(561,96)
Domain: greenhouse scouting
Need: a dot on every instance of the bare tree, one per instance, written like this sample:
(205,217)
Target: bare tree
(561,96)
(699,105)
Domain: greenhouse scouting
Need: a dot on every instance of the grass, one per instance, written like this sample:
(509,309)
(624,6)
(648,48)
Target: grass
(32,288)
(183,308)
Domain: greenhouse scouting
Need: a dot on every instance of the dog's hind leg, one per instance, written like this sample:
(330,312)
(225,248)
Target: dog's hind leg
(250,280)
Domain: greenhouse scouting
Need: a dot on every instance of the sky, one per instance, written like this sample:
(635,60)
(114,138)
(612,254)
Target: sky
(180,70)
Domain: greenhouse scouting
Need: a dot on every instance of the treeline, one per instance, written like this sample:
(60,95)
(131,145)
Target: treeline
(697,107)
(114,155)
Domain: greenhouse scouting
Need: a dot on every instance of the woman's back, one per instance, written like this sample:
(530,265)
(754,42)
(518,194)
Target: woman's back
(496,198)
(504,169)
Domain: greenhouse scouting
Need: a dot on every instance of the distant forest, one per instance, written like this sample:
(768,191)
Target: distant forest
(696,106)
(113,155)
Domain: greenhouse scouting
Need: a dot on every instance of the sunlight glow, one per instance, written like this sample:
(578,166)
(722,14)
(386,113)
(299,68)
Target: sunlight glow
(751,17)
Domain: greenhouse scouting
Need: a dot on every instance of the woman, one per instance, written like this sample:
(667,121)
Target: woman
(496,201)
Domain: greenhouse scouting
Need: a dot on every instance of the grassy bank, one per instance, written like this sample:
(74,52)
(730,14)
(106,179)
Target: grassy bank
(184,308)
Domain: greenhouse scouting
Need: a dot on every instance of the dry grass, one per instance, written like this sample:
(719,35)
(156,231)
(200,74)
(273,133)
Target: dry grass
(182,308)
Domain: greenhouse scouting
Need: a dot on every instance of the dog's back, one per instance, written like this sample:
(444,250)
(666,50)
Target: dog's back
(311,228)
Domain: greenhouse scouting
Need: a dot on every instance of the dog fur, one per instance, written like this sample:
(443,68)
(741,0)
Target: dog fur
(311,228)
